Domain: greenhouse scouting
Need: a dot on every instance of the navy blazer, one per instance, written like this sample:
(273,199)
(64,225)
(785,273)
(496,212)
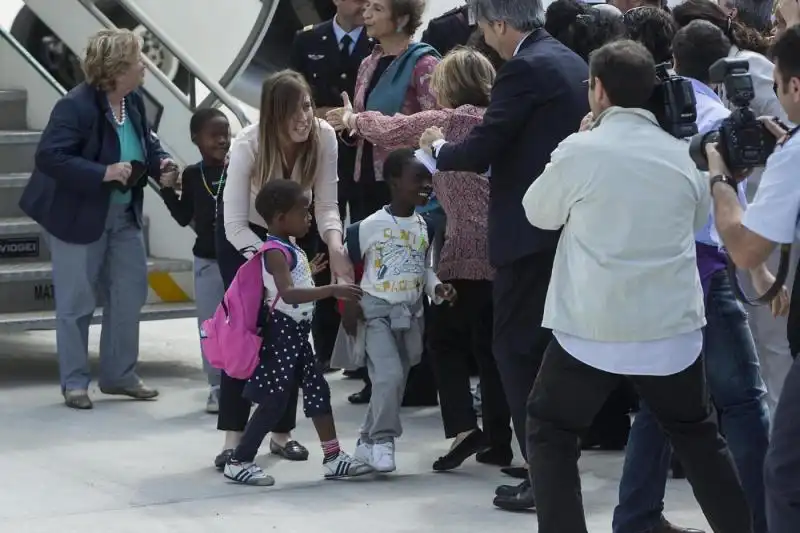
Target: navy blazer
(66,194)
(538,99)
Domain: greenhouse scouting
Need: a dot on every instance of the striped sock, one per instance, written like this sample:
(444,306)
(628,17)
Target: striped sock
(330,449)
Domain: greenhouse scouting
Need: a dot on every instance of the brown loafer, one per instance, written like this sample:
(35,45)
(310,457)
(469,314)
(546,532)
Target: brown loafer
(140,391)
(77,399)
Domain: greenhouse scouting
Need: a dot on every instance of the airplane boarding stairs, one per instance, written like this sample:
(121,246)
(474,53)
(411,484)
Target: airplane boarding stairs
(27,299)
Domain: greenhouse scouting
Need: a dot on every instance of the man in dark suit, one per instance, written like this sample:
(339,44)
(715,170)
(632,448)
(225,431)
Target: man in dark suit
(328,55)
(538,99)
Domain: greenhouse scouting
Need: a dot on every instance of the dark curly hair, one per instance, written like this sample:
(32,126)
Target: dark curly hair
(582,28)
(654,28)
(740,35)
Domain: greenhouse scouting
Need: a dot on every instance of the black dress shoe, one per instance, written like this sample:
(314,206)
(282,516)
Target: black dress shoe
(521,501)
(511,490)
(359,373)
(222,459)
(496,455)
(293,451)
(361,397)
(472,444)
(517,472)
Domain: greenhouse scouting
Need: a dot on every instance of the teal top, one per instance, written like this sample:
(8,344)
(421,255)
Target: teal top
(130,149)
(389,93)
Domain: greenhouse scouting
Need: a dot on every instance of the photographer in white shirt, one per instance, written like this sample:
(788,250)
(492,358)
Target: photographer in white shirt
(625,296)
(750,237)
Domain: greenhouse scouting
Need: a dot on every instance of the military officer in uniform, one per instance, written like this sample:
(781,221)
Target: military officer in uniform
(452,29)
(328,55)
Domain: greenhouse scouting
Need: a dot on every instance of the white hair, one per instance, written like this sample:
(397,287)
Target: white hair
(522,15)
(608,8)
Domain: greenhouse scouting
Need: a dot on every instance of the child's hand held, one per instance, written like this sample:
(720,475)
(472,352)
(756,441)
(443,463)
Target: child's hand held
(347,292)
(447,292)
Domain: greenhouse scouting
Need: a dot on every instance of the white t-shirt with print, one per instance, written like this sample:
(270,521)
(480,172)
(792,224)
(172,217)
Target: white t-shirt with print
(396,257)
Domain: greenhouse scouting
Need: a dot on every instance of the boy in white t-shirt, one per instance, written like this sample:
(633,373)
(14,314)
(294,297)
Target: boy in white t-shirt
(394,245)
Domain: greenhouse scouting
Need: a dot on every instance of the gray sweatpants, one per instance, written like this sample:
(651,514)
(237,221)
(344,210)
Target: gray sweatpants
(113,270)
(393,338)
(208,293)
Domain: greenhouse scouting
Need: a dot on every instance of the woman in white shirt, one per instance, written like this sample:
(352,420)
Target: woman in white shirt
(287,143)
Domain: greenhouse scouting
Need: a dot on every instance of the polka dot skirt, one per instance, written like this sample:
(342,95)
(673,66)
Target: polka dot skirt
(287,358)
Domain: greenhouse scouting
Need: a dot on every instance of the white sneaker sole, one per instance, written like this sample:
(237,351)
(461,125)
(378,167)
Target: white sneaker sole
(254,482)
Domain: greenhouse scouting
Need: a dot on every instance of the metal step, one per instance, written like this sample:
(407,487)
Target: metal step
(28,286)
(18,150)
(11,187)
(21,241)
(46,320)
(13,114)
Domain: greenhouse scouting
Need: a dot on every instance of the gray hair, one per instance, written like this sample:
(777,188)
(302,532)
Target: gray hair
(522,15)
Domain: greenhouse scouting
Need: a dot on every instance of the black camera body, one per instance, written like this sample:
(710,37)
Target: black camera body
(673,103)
(742,140)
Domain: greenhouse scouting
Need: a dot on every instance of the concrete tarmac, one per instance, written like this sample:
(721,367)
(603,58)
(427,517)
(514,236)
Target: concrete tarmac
(145,467)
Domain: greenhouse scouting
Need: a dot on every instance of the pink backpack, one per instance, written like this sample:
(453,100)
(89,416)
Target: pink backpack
(231,339)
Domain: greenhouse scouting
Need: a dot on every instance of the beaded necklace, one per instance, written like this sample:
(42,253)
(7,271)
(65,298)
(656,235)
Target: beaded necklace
(213,194)
(123,113)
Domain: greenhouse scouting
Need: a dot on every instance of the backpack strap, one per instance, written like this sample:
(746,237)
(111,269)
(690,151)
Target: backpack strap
(276,244)
(291,258)
(430,229)
(352,241)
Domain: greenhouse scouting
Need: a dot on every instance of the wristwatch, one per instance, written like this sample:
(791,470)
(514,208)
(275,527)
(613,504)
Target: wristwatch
(724,179)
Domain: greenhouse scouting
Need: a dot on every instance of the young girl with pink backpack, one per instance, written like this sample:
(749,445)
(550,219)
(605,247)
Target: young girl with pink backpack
(277,284)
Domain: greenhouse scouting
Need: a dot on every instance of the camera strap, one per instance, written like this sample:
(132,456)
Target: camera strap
(772,292)
(783,266)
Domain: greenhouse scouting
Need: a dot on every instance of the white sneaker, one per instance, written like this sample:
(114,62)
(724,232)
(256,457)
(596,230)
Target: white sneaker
(247,474)
(345,466)
(212,403)
(363,452)
(383,457)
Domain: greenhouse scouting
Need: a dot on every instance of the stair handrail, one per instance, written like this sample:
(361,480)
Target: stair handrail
(21,50)
(101,17)
(186,60)
(213,86)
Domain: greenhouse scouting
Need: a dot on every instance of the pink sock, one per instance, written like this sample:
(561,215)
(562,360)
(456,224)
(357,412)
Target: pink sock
(330,448)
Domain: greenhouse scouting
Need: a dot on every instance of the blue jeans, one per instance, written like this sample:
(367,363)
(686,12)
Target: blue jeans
(738,392)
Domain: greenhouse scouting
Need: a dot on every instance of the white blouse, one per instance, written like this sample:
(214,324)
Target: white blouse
(239,194)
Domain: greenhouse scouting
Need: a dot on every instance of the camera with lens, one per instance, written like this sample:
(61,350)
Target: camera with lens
(742,140)
(673,103)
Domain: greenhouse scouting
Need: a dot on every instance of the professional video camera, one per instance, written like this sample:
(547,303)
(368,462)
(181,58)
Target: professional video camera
(743,140)
(673,103)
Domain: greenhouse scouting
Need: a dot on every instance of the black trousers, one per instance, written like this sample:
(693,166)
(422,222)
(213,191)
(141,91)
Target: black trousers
(519,341)
(782,468)
(460,336)
(234,410)
(563,403)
